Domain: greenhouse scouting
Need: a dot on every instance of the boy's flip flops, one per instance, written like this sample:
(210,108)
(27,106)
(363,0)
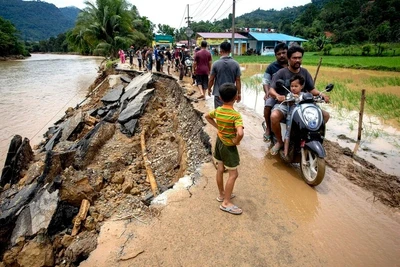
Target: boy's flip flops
(235,210)
(219,199)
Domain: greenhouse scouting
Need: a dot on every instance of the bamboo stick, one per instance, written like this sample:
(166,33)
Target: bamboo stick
(85,204)
(360,121)
(316,74)
(150,175)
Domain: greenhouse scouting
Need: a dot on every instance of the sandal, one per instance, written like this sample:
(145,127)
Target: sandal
(219,199)
(267,137)
(275,149)
(231,209)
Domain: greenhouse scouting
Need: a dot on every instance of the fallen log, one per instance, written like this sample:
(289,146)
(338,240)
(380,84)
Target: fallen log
(80,217)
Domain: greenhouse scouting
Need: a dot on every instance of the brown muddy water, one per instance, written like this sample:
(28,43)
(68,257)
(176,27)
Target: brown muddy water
(35,92)
(380,143)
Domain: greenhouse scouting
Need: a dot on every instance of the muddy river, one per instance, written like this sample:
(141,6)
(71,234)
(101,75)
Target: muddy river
(35,92)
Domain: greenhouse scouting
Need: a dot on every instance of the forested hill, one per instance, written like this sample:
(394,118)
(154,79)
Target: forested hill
(348,21)
(37,20)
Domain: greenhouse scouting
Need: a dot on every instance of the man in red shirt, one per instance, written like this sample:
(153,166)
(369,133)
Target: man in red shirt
(202,66)
(176,57)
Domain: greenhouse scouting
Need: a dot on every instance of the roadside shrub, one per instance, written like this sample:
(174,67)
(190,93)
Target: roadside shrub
(327,49)
(366,49)
(309,47)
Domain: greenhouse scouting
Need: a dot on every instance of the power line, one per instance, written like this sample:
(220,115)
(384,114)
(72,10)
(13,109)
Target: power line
(224,12)
(217,10)
(211,8)
(202,9)
(184,11)
(197,6)
(206,7)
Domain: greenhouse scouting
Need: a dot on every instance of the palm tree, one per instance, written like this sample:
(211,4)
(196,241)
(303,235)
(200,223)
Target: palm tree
(76,40)
(105,26)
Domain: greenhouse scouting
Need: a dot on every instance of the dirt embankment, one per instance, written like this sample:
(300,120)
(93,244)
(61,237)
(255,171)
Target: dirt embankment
(385,187)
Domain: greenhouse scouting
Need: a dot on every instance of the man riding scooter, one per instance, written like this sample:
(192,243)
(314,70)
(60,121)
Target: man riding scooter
(295,56)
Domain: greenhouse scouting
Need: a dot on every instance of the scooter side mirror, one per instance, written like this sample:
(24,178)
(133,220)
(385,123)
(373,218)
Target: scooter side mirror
(329,87)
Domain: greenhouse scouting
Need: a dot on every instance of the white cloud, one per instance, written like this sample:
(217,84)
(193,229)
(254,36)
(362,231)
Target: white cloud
(173,12)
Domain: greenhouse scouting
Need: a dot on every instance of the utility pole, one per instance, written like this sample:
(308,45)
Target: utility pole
(233,30)
(189,31)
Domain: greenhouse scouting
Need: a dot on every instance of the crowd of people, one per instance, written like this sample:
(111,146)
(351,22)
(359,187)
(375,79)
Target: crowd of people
(162,57)
(222,79)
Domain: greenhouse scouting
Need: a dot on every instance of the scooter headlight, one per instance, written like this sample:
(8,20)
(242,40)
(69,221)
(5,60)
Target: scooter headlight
(311,117)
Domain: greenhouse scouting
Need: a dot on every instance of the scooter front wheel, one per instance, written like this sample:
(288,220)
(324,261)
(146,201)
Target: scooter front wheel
(312,167)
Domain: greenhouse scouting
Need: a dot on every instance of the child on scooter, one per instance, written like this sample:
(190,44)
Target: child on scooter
(296,86)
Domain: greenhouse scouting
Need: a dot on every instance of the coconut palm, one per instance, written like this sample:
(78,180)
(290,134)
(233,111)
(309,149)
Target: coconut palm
(106,26)
(76,40)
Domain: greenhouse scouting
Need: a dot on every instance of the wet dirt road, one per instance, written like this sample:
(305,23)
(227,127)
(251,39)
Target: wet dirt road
(285,222)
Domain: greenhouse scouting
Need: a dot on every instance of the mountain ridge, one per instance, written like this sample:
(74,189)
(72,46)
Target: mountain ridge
(29,19)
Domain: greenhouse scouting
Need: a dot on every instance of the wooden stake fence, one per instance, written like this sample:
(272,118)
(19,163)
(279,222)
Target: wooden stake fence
(316,74)
(360,121)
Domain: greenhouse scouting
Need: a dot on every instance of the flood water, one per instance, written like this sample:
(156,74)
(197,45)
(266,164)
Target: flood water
(35,92)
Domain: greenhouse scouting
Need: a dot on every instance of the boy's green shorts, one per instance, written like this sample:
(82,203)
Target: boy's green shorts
(228,155)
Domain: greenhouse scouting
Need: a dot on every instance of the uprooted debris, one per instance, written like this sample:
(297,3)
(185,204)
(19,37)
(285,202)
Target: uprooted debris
(93,165)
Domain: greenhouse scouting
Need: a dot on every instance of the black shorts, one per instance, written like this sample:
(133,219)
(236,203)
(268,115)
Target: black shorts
(202,80)
(228,155)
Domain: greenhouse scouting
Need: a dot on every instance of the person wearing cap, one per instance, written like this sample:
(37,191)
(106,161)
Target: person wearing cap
(201,68)
(224,70)
(168,57)
(182,62)
(131,54)
(176,58)
(161,58)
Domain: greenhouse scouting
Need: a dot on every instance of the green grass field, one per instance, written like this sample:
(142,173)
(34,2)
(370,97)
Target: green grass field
(353,62)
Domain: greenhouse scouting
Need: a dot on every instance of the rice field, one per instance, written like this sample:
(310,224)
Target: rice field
(382,88)
(352,62)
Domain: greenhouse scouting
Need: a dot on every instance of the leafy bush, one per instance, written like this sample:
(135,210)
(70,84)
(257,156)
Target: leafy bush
(309,47)
(366,49)
(327,49)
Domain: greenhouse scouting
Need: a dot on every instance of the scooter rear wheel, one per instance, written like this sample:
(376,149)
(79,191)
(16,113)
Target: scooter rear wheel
(312,168)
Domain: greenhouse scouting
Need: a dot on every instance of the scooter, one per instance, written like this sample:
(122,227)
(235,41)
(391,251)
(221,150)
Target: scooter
(306,135)
(188,66)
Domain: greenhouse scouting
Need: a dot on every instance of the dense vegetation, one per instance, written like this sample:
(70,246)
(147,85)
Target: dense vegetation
(105,26)
(9,42)
(38,20)
(323,22)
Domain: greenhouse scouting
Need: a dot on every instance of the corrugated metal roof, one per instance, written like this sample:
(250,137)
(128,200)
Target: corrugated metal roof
(275,37)
(220,35)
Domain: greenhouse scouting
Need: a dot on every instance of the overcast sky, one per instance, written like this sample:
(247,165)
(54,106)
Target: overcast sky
(173,12)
